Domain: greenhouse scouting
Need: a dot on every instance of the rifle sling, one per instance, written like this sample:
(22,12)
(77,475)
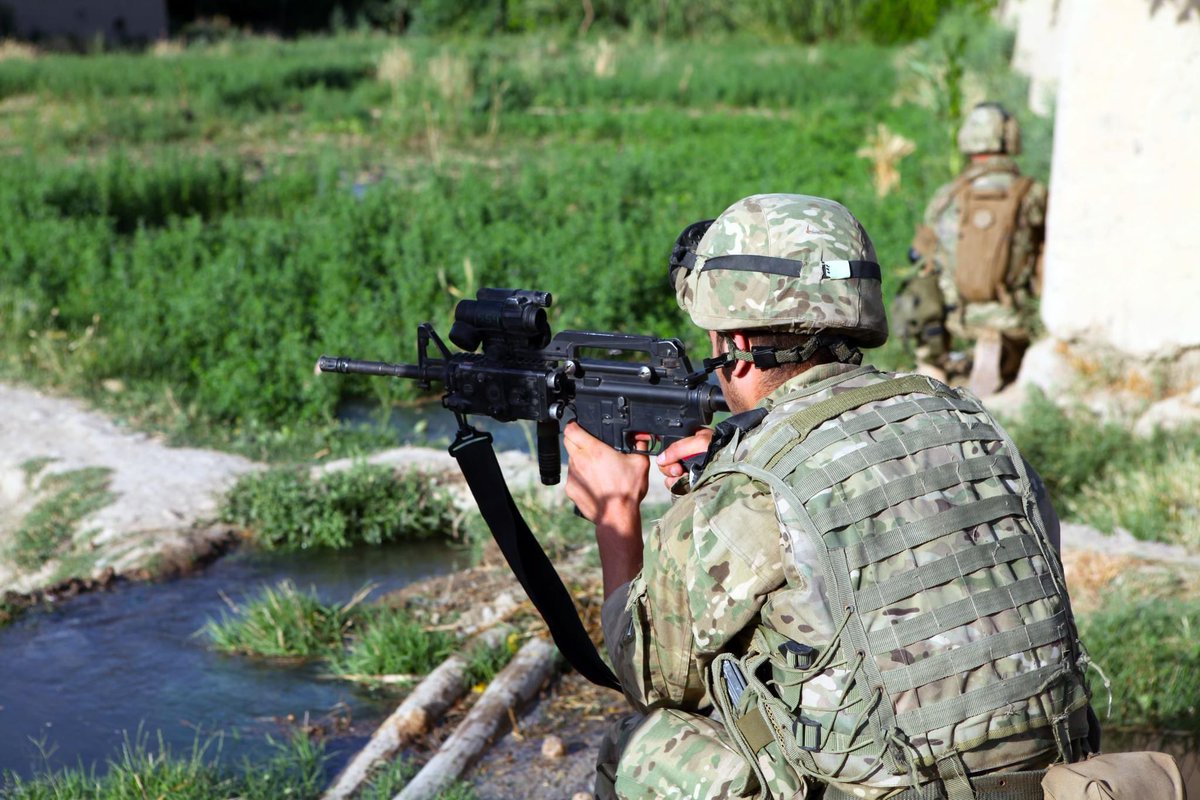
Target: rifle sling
(477,460)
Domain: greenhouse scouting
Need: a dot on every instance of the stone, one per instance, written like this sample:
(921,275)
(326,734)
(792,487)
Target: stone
(1175,412)
(553,748)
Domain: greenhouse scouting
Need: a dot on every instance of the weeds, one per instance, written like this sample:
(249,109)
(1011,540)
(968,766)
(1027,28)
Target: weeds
(48,529)
(1105,475)
(484,663)
(289,510)
(202,205)
(1149,650)
(391,642)
(283,622)
(294,770)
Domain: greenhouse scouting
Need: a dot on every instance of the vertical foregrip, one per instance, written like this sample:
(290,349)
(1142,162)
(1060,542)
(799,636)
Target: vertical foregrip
(549,460)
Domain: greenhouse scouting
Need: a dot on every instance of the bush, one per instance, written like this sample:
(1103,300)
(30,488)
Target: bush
(289,510)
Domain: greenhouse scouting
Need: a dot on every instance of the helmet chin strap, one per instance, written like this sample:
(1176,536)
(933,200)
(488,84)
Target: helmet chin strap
(765,356)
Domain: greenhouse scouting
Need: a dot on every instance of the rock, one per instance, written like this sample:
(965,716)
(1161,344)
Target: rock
(1174,412)
(582,796)
(1048,366)
(553,748)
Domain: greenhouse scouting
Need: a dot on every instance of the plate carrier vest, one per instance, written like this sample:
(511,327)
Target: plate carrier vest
(949,631)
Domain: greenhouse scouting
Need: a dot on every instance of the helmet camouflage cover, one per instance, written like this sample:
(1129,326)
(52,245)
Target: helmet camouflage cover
(989,128)
(786,262)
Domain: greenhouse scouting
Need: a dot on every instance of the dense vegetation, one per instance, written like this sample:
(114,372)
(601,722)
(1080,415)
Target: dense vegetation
(181,234)
(289,510)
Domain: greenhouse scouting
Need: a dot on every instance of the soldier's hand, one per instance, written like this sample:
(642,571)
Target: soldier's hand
(670,460)
(600,480)
(607,487)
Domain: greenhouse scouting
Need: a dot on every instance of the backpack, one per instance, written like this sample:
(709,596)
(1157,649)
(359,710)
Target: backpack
(925,615)
(987,218)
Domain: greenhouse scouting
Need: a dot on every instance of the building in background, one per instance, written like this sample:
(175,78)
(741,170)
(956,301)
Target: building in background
(116,21)
(1122,79)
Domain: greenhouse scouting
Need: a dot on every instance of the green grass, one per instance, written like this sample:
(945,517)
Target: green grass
(288,510)
(48,529)
(295,770)
(391,642)
(1103,474)
(1147,646)
(283,622)
(143,770)
(179,240)
(484,663)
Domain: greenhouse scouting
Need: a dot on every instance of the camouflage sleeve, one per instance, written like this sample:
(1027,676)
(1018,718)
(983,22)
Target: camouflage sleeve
(708,566)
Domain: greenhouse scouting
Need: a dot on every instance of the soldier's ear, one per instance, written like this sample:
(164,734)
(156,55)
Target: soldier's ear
(741,341)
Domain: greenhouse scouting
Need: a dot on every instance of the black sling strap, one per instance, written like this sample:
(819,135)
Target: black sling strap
(477,460)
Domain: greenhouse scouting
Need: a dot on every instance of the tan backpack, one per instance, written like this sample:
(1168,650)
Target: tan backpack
(986,222)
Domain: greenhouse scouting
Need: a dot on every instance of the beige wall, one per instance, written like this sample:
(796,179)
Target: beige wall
(1123,233)
(1038,50)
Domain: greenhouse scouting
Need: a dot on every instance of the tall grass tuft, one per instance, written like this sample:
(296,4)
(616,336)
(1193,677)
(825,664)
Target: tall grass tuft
(289,510)
(391,642)
(283,622)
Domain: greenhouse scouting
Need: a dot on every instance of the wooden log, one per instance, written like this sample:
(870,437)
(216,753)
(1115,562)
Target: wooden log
(514,686)
(428,701)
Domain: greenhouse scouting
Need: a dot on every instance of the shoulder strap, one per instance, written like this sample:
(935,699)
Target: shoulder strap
(477,459)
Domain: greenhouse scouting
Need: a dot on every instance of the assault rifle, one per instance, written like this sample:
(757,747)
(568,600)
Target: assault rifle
(511,368)
(523,373)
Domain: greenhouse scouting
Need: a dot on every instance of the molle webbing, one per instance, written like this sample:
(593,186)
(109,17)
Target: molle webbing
(915,485)
(996,786)
(861,423)
(976,654)
(872,455)
(949,450)
(944,570)
(872,549)
(961,612)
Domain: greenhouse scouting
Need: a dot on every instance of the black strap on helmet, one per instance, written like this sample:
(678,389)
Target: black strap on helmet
(765,356)
(683,253)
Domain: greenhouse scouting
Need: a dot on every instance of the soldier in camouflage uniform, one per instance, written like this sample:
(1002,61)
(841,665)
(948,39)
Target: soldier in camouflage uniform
(733,602)
(988,215)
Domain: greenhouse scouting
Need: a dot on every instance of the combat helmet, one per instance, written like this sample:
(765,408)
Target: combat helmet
(786,263)
(989,128)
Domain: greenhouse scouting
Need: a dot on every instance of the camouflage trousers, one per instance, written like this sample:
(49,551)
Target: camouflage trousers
(673,754)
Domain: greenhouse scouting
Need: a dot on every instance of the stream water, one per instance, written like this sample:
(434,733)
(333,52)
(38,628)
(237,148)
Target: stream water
(76,681)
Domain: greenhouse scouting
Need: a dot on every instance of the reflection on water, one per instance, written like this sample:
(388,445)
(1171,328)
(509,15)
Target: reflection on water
(80,678)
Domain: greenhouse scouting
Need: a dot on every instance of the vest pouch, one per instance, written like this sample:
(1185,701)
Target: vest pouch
(738,705)
(1116,776)
(786,665)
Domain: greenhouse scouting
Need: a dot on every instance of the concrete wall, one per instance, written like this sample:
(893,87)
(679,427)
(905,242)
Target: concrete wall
(115,20)
(1123,233)
(1040,26)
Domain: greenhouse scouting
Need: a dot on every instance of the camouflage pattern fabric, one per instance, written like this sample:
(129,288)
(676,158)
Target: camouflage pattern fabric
(819,236)
(942,215)
(720,568)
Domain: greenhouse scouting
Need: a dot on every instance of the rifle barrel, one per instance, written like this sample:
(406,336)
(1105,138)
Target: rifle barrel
(348,365)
